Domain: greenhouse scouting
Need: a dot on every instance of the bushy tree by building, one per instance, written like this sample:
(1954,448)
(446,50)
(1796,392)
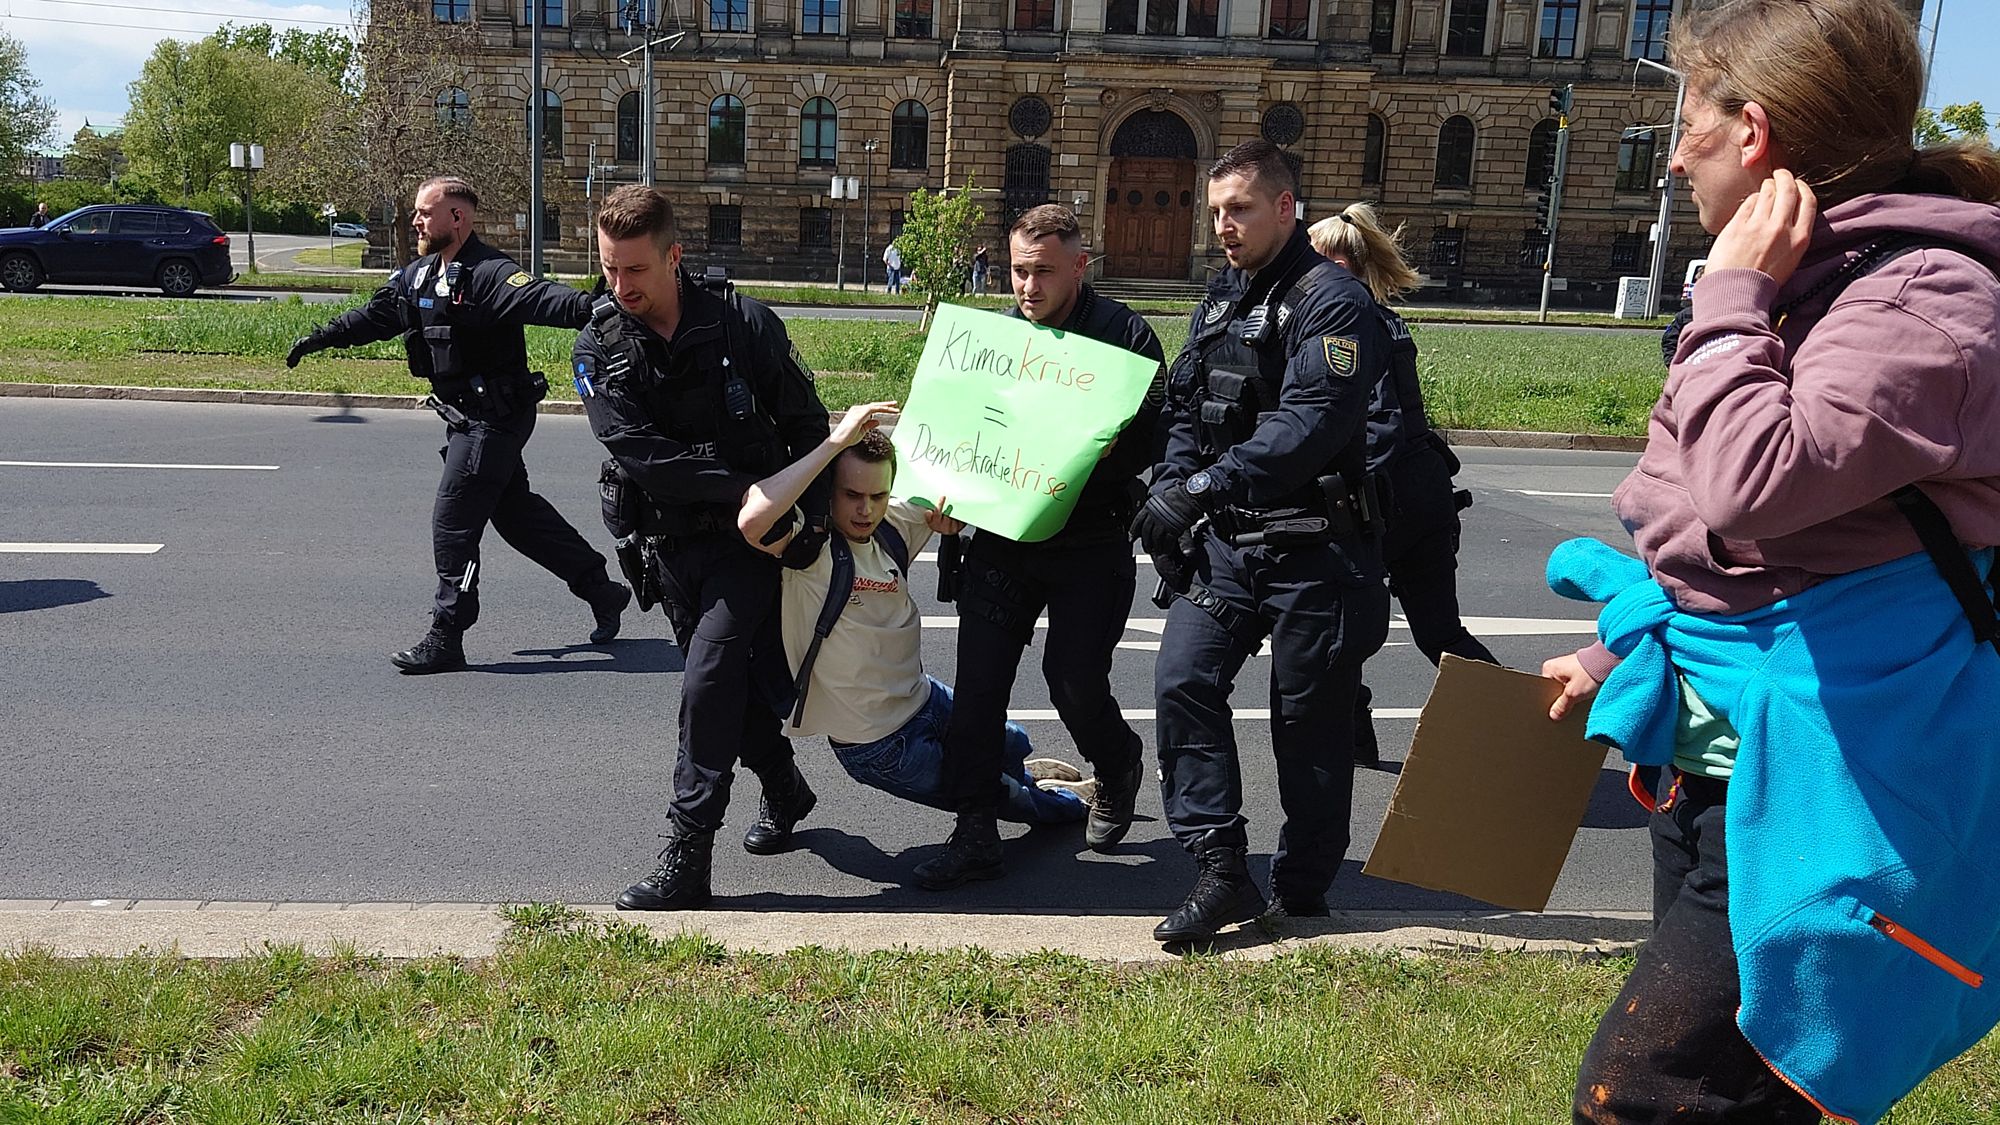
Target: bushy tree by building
(936,242)
(1965,122)
(27,119)
(95,155)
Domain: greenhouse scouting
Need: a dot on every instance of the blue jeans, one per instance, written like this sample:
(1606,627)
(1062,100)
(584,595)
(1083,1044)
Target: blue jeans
(909,763)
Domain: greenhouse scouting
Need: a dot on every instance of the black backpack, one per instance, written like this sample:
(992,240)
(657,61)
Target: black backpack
(839,589)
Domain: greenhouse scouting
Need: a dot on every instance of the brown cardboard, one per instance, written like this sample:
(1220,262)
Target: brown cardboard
(1492,793)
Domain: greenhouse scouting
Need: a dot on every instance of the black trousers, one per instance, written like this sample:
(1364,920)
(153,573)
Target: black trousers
(1669,1049)
(1326,611)
(485,481)
(1423,577)
(1086,586)
(722,600)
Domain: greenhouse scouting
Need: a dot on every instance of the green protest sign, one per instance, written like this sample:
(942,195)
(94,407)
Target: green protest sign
(1006,420)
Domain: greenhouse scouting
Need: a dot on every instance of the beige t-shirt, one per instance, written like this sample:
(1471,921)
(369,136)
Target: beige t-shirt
(869,678)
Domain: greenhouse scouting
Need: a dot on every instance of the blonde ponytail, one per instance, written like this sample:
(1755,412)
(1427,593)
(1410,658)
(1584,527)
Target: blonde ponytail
(1375,255)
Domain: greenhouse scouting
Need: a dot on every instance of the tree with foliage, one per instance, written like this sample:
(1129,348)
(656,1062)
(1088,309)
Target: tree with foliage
(329,53)
(937,243)
(95,157)
(1965,122)
(192,100)
(27,119)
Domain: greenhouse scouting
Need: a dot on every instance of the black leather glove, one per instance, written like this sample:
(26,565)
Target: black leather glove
(1166,517)
(301,348)
(1176,571)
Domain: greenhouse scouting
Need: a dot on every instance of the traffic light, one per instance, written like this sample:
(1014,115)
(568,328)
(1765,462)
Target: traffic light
(1560,100)
(1544,208)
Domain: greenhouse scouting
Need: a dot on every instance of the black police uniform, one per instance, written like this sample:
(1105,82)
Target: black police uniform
(1412,466)
(1268,438)
(463,330)
(1084,577)
(694,422)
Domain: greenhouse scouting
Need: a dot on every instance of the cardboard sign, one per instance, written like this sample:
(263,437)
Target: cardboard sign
(1492,793)
(1006,419)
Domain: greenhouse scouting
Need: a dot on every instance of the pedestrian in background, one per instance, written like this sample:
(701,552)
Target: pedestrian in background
(892,260)
(1802,648)
(1409,462)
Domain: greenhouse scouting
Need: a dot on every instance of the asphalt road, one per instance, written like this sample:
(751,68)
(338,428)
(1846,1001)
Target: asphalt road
(216,718)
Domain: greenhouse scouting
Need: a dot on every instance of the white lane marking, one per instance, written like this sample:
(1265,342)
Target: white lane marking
(79,548)
(128,465)
(931,556)
(1034,716)
(1571,495)
(1480,626)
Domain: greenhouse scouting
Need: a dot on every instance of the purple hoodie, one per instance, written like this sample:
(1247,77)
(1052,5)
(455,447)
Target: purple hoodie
(1771,449)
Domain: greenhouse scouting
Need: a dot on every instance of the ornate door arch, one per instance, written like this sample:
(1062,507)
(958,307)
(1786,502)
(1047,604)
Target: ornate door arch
(1149,197)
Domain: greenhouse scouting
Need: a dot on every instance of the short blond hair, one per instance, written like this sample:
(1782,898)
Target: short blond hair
(635,210)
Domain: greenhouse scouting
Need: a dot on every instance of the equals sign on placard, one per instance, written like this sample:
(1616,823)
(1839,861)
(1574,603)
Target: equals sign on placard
(996,416)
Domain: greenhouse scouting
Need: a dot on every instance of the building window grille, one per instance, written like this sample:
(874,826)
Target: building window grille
(725,224)
(815,228)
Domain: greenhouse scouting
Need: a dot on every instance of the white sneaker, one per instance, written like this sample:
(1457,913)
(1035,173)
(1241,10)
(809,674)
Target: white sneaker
(1052,769)
(1085,791)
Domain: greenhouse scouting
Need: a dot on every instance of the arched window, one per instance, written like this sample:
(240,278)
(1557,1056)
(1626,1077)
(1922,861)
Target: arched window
(454,109)
(1373,148)
(1541,156)
(551,123)
(630,132)
(910,136)
(1635,161)
(1027,182)
(819,133)
(725,130)
(1454,156)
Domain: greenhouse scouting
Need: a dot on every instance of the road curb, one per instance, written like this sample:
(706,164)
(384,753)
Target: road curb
(1502,439)
(120,927)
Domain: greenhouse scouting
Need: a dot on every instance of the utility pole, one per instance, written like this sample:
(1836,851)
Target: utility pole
(1561,98)
(248,159)
(1660,231)
(640,18)
(867,193)
(537,105)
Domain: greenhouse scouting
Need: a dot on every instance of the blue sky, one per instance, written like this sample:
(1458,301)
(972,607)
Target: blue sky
(86,51)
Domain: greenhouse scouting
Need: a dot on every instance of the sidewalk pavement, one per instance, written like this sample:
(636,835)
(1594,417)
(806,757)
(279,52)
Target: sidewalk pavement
(118,927)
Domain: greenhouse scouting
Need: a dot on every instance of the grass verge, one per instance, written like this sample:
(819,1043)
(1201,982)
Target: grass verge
(1473,378)
(346,254)
(601,1021)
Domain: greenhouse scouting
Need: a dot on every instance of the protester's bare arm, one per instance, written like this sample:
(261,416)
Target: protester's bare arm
(770,499)
(1577,683)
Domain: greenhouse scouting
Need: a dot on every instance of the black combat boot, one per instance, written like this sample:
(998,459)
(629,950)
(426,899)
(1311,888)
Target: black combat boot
(439,651)
(1223,893)
(680,882)
(1111,806)
(972,852)
(782,806)
(1298,906)
(607,602)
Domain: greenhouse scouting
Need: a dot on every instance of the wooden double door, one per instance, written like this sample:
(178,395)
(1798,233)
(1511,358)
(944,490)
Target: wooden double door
(1149,209)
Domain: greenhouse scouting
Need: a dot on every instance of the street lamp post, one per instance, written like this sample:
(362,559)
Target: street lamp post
(248,158)
(867,192)
(1658,277)
(537,106)
(844,187)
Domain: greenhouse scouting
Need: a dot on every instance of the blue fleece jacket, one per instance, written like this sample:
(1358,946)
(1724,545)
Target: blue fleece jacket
(1863,816)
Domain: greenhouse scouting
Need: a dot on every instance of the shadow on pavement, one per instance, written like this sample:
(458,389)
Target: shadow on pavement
(1611,804)
(347,414)
(649,655)
(47,593)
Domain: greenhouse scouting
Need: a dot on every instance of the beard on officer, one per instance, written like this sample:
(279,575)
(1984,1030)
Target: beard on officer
(1260,522)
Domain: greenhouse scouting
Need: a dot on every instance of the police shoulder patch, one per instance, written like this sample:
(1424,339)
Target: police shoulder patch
(519,278)
(1343,355)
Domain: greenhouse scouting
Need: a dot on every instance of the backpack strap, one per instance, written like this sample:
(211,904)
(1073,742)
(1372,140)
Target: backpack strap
(1981,604)
(839,588)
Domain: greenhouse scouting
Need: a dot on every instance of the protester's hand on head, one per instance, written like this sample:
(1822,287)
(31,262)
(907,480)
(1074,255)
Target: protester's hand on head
(938,519)
(860,419)
(1770,230)
(1577,684)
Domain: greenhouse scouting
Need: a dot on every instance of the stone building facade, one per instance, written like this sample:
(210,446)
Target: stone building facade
(1437,110)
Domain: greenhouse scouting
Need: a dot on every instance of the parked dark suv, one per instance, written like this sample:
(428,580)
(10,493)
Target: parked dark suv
(118,244)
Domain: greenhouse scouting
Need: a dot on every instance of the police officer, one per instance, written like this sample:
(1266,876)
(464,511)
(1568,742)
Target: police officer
(1410,464)
(460,309)
(1259,516)
(1083,576)
(698,396)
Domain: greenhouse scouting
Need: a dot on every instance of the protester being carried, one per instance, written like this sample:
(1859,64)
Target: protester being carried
(865,689)
(1409,462)
(1803,647)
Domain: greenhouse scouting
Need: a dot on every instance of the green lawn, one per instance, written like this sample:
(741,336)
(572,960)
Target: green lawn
(346,254)
(603,1022)
(1474,378)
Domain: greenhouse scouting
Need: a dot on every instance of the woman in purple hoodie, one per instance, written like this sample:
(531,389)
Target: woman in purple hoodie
(1845,343)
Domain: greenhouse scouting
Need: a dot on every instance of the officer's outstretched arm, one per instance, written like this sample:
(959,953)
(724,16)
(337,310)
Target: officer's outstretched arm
(512,295)
(670,471)
(1336,349)
(384,317)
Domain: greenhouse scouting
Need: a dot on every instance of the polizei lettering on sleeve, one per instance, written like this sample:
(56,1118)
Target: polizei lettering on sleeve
(963,352)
